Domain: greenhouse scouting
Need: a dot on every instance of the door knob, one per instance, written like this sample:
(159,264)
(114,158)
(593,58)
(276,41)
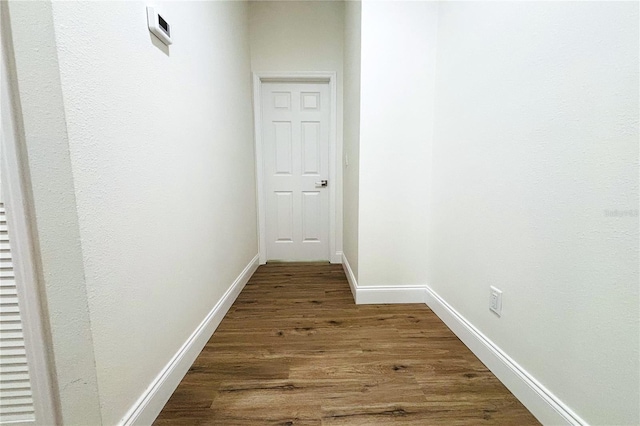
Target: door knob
(322,183)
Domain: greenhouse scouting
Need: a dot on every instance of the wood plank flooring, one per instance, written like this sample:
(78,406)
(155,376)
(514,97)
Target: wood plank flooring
(295,350)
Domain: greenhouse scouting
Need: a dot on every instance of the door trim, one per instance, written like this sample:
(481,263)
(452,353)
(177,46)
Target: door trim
(14,185)
(335,208)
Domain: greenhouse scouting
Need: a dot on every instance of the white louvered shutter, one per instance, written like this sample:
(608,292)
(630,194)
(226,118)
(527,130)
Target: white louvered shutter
(16,402)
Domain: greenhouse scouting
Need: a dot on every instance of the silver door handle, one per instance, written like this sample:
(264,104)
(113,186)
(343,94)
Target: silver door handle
(322,184)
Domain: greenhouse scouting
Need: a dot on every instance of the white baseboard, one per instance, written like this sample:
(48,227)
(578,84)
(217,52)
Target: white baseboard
(381,294)
(389,294)
(151,402)
(336,257)
(353,284)
(544,405)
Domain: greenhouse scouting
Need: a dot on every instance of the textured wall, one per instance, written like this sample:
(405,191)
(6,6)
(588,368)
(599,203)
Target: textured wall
(536,145)
(352,27)
(161,146)
(296,36)
(397,98)
(53,204)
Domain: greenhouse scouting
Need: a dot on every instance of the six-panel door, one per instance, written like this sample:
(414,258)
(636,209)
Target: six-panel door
(295,134)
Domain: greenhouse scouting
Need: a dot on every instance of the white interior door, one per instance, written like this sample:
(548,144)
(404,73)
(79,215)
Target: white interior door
(295,135)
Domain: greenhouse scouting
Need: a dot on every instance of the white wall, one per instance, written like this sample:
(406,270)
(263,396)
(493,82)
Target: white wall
(51,196)
(161,149)
(296,36)
(535,145)
(536,139)
(397,100)
(302,36)
(352,47)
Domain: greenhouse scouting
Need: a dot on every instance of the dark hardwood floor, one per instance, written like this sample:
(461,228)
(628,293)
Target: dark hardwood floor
(295,350)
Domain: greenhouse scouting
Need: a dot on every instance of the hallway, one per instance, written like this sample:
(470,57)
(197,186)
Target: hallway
(295,349)
(475,162)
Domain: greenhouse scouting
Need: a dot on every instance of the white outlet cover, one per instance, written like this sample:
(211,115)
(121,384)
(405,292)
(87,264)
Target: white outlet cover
(495,301)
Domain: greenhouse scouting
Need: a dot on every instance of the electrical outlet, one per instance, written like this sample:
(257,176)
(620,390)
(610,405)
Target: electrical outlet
(495,301)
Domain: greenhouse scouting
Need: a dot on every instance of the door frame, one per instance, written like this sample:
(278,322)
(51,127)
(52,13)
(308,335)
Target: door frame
(335,152)
(14,185)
